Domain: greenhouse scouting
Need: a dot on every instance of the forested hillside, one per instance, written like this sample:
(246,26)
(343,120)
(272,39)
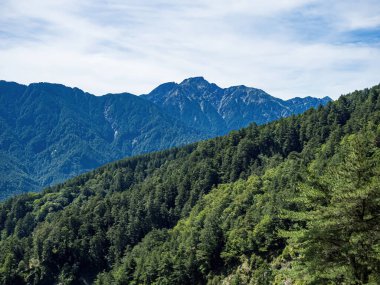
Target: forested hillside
(295,201)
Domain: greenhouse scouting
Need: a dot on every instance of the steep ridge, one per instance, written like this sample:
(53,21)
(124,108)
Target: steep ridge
(230,209)
(207,107)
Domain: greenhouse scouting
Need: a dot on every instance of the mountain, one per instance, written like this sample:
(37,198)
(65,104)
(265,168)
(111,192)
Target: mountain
(294,201)
(209,108)
(50,132)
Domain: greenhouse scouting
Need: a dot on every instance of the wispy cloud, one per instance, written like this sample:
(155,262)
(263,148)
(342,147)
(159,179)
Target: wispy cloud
(286,47)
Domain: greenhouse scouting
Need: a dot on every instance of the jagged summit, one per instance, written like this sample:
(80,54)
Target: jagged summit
(208,107)
(198,80)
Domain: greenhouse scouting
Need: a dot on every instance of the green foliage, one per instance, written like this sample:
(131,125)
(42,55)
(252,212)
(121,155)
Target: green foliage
(341,211)
(258,206)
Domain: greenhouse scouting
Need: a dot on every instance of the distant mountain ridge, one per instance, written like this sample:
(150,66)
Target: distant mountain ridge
(202,105)
(50,132)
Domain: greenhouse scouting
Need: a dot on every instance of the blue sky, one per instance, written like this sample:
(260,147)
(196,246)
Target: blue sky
(286,47)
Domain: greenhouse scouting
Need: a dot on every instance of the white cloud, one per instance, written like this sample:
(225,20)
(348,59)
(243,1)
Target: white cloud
(288,48)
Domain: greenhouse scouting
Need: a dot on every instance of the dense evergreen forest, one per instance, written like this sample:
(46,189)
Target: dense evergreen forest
(295,201)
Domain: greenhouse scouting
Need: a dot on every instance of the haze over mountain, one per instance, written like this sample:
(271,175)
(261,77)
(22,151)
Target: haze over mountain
(50,132)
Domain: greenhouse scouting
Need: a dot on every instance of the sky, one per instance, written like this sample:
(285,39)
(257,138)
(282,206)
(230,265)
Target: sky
(288,48)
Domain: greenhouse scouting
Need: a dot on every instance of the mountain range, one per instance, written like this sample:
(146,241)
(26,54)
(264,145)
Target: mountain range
(50,132)
(293,201)
(209,108)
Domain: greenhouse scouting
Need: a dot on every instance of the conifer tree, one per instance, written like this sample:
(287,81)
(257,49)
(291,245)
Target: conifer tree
(340,242)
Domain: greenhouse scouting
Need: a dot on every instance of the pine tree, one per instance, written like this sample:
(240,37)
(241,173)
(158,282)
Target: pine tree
(340,242)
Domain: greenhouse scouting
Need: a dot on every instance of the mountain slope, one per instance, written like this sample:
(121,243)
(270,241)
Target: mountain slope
(50,132)
(231,209)
(207,107)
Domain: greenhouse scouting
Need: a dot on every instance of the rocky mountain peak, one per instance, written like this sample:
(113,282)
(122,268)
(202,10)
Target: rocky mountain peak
(195,81)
